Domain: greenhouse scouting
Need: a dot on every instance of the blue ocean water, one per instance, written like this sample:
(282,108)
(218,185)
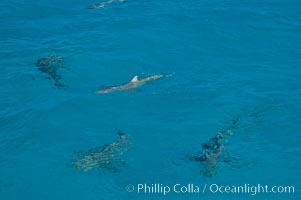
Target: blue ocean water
(230,58)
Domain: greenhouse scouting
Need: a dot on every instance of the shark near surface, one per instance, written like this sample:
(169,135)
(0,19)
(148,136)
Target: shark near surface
(134,83)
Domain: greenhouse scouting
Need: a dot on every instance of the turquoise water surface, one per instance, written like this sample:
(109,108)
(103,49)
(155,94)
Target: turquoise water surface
(230,59)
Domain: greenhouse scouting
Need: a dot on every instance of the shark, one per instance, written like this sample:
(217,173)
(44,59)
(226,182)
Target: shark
(108,156)
(102,4)
(134,83)
(213,151)
(50,66)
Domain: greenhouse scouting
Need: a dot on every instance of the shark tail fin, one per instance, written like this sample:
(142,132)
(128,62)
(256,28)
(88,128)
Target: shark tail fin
(120,133)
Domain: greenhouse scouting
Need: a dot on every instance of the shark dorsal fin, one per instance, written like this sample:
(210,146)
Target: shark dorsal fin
(135,79)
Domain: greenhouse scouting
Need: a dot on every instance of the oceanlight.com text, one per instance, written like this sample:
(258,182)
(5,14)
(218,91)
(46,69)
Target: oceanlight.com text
(251,189)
